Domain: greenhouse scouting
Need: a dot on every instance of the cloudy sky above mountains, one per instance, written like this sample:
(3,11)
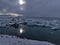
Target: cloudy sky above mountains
(32,7)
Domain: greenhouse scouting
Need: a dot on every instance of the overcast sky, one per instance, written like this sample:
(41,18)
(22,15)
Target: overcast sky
(32,7)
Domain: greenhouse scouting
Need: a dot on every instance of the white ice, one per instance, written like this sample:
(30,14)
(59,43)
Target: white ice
(14,40)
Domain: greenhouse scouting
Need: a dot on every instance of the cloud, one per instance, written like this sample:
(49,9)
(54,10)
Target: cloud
(49,8)
(54,8)
(9,6)
(37,7)
(32,7)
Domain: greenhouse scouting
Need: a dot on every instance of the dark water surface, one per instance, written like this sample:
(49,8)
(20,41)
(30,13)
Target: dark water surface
(34,33)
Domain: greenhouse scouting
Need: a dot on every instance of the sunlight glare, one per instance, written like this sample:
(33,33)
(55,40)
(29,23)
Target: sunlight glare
(21,30)
(12,14)
(21,2)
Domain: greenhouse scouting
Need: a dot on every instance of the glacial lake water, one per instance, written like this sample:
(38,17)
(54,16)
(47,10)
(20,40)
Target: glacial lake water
(34,33)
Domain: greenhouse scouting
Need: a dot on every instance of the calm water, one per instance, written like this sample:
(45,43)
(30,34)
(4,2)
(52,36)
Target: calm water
(35,33)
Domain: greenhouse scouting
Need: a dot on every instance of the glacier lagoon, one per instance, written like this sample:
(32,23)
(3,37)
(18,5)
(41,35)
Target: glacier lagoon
(34,33)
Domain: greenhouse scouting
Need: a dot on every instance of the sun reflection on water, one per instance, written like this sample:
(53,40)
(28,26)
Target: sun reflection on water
(21,30)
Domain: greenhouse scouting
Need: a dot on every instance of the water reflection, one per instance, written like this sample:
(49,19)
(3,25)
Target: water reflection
(21,30)
(37,33)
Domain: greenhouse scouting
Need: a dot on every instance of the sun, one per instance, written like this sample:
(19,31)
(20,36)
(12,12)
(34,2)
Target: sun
(21,2)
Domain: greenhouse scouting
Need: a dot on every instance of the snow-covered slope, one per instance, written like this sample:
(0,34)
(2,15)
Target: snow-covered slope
(14,40)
